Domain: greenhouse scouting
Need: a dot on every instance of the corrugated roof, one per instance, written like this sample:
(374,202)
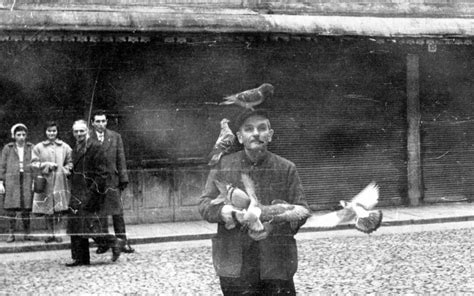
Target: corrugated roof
(231,20)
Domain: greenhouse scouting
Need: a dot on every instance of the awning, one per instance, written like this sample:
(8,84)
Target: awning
(192,20)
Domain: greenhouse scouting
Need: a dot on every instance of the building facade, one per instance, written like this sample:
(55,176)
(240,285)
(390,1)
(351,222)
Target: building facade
(379,90)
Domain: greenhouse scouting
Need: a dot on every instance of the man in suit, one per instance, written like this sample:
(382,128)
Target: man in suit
(87,194)
(117,179)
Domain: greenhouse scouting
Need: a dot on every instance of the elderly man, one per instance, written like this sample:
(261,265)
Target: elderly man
(117,178)
(245,264)
(87,198)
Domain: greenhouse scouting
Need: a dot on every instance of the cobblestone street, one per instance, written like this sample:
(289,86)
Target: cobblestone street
(427,262)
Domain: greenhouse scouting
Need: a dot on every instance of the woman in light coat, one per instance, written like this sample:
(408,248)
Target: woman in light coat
(16,180)
(52,159)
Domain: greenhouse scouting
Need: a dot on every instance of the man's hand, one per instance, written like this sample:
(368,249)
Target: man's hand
(227,217)
(226,213)
(2,188)
(260,235)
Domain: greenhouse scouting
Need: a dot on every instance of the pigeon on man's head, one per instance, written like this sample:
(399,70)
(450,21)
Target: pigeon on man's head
(250,98)
(224,143)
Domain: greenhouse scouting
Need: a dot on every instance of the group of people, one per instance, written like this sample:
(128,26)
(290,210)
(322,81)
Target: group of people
(95,168)
(83,184)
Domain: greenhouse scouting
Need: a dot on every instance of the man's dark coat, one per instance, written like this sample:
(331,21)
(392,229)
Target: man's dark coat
(87,187)
(116,168)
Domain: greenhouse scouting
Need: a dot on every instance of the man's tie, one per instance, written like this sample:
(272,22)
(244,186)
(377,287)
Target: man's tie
(101,137)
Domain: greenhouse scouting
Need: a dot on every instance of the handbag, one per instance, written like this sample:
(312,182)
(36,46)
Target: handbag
(39,184)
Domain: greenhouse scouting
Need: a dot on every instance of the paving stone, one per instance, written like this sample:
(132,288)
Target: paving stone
(430,262)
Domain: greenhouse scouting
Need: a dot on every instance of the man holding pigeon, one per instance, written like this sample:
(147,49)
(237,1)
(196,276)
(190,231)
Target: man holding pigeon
(249,262)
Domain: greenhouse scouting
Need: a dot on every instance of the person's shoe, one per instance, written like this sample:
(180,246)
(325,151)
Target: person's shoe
(11,238)
(58,239)
(117,249)
(76,263)
(102,249)
(28,237)
(127,248)
(50,239)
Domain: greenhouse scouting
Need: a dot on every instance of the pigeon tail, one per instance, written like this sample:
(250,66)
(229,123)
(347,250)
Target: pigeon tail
(223,195)
(228,100)
(215,159)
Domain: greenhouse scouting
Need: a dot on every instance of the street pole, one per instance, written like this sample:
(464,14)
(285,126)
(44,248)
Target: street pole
(415,185)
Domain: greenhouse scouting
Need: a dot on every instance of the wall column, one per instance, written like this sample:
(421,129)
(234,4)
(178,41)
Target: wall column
(415,185)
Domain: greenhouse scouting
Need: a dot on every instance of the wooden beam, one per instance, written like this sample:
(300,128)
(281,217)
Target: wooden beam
(169,19)
(415,184)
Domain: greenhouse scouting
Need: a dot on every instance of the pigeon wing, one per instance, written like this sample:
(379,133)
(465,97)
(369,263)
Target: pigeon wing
(225,141)
(250,96)
(334,218)
(284,213)
(368,197)
(215,158)
(249,186)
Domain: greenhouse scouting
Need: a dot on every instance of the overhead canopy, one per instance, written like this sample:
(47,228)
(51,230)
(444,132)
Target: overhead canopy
(181,19)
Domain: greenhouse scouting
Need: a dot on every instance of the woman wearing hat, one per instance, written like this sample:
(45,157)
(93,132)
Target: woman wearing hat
(53,160)
(16,179)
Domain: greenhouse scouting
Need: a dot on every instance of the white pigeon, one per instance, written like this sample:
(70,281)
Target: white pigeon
(250,98)
(224,143)
(359,210)
(251,216)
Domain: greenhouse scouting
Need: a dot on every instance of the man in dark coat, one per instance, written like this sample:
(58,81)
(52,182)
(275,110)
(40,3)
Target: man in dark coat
(259,265)
(87,197)
(117,178)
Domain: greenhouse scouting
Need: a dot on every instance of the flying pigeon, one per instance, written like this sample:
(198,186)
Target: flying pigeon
(224,143)
(358,209)
(250,98)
